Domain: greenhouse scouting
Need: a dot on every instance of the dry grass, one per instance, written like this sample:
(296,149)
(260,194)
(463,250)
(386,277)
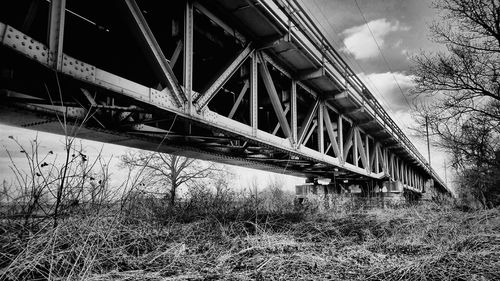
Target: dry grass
(426,242)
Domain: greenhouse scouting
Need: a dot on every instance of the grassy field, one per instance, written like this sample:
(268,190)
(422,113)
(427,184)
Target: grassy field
(425,242)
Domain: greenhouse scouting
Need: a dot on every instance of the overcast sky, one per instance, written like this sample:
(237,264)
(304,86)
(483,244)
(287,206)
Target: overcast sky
(399,27)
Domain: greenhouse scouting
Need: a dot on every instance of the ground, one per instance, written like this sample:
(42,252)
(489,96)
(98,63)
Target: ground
(423,242)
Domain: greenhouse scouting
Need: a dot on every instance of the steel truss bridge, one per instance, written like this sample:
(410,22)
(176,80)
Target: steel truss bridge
(250,83)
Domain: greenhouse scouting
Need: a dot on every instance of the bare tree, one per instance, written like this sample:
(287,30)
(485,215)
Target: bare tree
(169,171)
(462,82)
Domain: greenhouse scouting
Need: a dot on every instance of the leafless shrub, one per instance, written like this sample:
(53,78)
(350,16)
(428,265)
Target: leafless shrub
(49,188)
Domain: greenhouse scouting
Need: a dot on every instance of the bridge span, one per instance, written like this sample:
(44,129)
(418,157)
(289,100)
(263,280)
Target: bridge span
(250,83)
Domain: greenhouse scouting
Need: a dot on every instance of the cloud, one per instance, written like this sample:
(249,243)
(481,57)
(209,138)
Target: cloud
(384,87)
(398,43)
(359,41)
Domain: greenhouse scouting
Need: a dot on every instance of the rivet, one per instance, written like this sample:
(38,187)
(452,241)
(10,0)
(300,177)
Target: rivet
(29,47)
(37,47)
(17,36)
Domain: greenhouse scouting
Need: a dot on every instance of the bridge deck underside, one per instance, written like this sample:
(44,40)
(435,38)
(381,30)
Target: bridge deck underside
(227,81)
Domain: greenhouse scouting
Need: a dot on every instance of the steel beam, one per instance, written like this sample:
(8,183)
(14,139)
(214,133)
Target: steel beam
(175,54)
(386,160)
(392,166)
(277,127)
(372,157)
(402,171)
(89,97)
(155,54)
(227,28)
(360,148)
(321,137)
(30,15)
(293,115)
(273,96)
(203,99)
(348,142)
(311,131)
(187,66)
(396,169)
(56,33)
(367,153)
(405,173)
(328,148)
(331,134)
(254,110)
(340,134)
(307,121)
(239,99)
(312,74)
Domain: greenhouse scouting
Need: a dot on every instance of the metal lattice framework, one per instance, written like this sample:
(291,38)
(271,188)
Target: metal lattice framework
(244,82)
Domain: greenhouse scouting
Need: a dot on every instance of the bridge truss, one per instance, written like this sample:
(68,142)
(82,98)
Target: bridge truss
(244,82)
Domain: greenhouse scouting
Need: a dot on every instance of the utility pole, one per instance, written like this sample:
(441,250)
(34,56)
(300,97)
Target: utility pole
(428,144)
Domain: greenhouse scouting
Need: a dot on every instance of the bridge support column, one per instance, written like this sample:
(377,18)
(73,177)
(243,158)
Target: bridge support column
(365,193)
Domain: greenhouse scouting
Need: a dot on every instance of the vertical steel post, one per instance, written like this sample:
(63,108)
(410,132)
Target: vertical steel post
(396,168)
(407,174)
(393,176)
(386,160)
(188,55)
(293,115)
(321,145)
(56,33)
(355,149)
(253,94)
(367,153)
(340,140)
(402,171)
(411,177)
